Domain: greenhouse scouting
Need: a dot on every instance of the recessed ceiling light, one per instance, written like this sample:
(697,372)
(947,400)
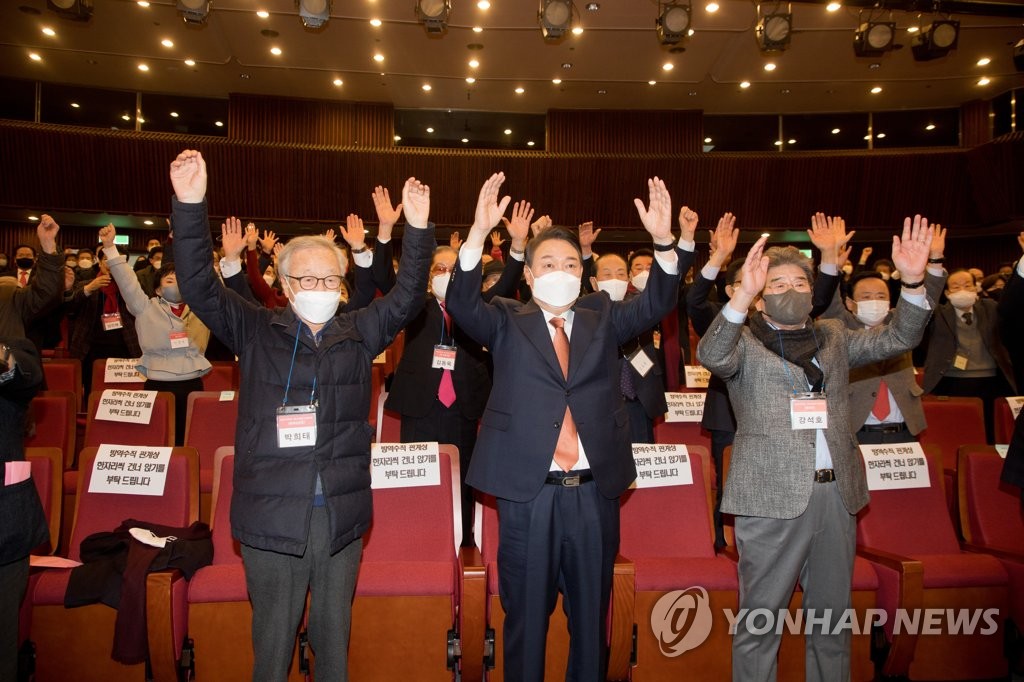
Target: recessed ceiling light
(174,114)
(556,81)
(465,140)
(745,84)
(337,82)
(835,131)
(263,14)
(867,137)
(693,93)
(167,42)
(426,87)
(791,142)
(711,7)
(833,7)
(398,138)
(276,51)
(770,66)
(34,57)
(593,6)
(378,57)
(33,217)
(652,82)
(930,126)
(190,62)
(577,30)
(147,222)
(478,29)
(778,143)
(143,67)
(483,4)
(984,61)
(219,124)
(690,32)
(880,136)
(875,90)
(142,3)
(375,22)
(49,31)
(667,66)
(126,117)
(75,105)
(602,92)
(508,131)
(141,120)
(912,29)
(471,80)
(430,130)
(766,234)
(530,143)
(566,65)
(984,81)
(520,91)
(707,140)
(473,63)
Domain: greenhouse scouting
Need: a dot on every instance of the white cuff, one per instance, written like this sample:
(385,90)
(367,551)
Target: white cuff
(920,300)
(732,315)
(687,245)
(230,268)
(710,272)
(469,257)
(1020,267)
(518,256)
(829,269)
(935,269)
(364,259)
(383,241)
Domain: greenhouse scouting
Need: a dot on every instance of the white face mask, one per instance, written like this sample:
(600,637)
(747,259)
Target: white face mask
(315,307)
(615,288)
(962,300)
(639,280)
(439,285)
(558,289)
(156,264)
(85,263)
(872,312)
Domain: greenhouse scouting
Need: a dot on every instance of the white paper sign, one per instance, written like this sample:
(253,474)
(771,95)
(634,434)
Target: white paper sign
(895,466)
(404,465)
(122,371)
(133,407)
(1015,402)
(130,470)
(697,376)
(685,407)
(1002,448)
(226,396)
(661,465)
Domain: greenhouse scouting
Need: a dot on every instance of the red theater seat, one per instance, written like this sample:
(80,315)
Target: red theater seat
(209,425)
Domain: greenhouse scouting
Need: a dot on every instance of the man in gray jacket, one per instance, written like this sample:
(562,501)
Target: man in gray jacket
(796,479)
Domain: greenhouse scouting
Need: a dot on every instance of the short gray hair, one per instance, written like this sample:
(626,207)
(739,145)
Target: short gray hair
(790,255)
(308,243)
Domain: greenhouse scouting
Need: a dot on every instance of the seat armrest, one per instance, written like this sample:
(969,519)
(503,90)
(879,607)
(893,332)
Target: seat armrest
(621,619)
(163,589)
(472,612)
(910,596)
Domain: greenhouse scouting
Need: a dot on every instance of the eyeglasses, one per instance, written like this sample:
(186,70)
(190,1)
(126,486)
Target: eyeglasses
(440,269)
(782,285)
(309,282)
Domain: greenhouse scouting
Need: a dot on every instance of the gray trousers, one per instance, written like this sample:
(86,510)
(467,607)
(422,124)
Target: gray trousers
(13,583)
(277,589)
(818,548)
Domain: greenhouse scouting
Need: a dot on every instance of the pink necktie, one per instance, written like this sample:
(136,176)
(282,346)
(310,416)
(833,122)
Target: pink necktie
(22,278)
(446,389)
(567,450)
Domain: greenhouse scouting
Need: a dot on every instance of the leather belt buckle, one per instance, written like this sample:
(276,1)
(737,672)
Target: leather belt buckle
(824,475)
(571,482)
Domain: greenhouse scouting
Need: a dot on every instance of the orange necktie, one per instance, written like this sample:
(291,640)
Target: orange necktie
(881,408)
(567,450)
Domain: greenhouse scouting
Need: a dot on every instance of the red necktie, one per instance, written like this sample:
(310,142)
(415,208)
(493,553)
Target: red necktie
(881,408)
(567,450)
(446,389)
(22,278)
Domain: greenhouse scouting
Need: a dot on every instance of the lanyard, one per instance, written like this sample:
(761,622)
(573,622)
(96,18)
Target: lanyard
(444,324)
(291,368)
(785,363)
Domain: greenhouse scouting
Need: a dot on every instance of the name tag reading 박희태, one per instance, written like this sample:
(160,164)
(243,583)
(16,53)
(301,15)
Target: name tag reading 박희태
(296,426)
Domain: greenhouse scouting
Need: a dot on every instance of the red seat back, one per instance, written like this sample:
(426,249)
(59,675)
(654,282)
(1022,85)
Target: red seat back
(223,376)
(159,430)
(952,422)
(990,510)
(54,415)
(64,375)
(389,424)
(225,547)
(210,424)
(688,433)
(47,472)
(1003,421)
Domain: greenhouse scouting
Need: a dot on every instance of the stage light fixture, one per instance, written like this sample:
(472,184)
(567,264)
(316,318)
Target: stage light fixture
(874,38)
(78,10)
(194,11)
(434,14)
(673,22)
(555,17)
(936,40)
(774,30)
(314,13)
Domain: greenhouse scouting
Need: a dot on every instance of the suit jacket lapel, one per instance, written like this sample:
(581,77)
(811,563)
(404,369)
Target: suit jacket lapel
(530,319)
(584,326)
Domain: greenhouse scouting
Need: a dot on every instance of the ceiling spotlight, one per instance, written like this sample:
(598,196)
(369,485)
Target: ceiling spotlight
(833,7)
(79,10)
(930,126)
(378,57)
(33,218)
(835,131)
(745,84)
(936,40)
(219,124)
(398,138)
(984,81)
(434,15)
(376,23)
(174,114)
(520,91)
(774,30)
(147,222)
(673,22)
(556,81)
(190,62)
(465,140)
(142,3)
(508,131)
(880,136)
(75,105)
(530,143)
(143,67)
(49,31)
(483,4)
(167,42)
(194,11)
(875,90)
(34,57)
(276,51)
(426,87)
(471,80)
(555,18)
(473,63)
(707,140)
(667,66)
(791,141)
(711,7)
(263,14)
(478,29)
(874,38)
(913,29)
(126,117)
(984,61)
(430,130)
(314,13)
(577,30)
(769,66)
(652,82)
(337,82)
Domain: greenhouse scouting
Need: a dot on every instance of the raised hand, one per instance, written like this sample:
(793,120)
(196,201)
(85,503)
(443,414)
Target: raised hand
(657,217)
(231,238)
(723,240)
(688,220)
(455,241)
(540,224)
(489,210)
(47,233)
(387,215)
(330,234)
(519,227)
(496,239)
(267,241)
(107,234)
(278,248)
(188,177)
(416,203)
(252,237)
(829,235)
(910,253)
(98,283)
(353,233)
(844,256)
(938,248)
(865,254)
(588,235)
(755,269)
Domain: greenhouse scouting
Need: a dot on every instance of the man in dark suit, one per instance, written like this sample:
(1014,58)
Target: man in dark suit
(1011,327)
(558,486)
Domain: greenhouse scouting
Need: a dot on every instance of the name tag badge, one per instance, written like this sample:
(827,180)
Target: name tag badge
(179,339)
(296,426)
(111,321)
(808,411)
(960,362)
(444,357)
(641,362)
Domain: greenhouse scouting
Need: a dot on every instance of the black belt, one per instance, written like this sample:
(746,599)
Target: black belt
(884,428)
(570,479)
(824,475)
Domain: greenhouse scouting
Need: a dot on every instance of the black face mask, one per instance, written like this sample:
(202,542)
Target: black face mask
(25,263)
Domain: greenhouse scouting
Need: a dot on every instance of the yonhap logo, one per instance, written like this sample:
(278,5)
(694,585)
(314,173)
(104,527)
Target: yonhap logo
(681,620)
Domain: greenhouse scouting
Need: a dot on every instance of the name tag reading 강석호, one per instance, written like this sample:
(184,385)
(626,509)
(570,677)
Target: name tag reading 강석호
(444,357)
(808,411)
(296,426)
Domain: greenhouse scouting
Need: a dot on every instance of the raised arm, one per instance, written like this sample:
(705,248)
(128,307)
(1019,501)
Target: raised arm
(128,285)
(519,231)
(44,289)
(355,236)
(699,309)
(387,215)
(829,235)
